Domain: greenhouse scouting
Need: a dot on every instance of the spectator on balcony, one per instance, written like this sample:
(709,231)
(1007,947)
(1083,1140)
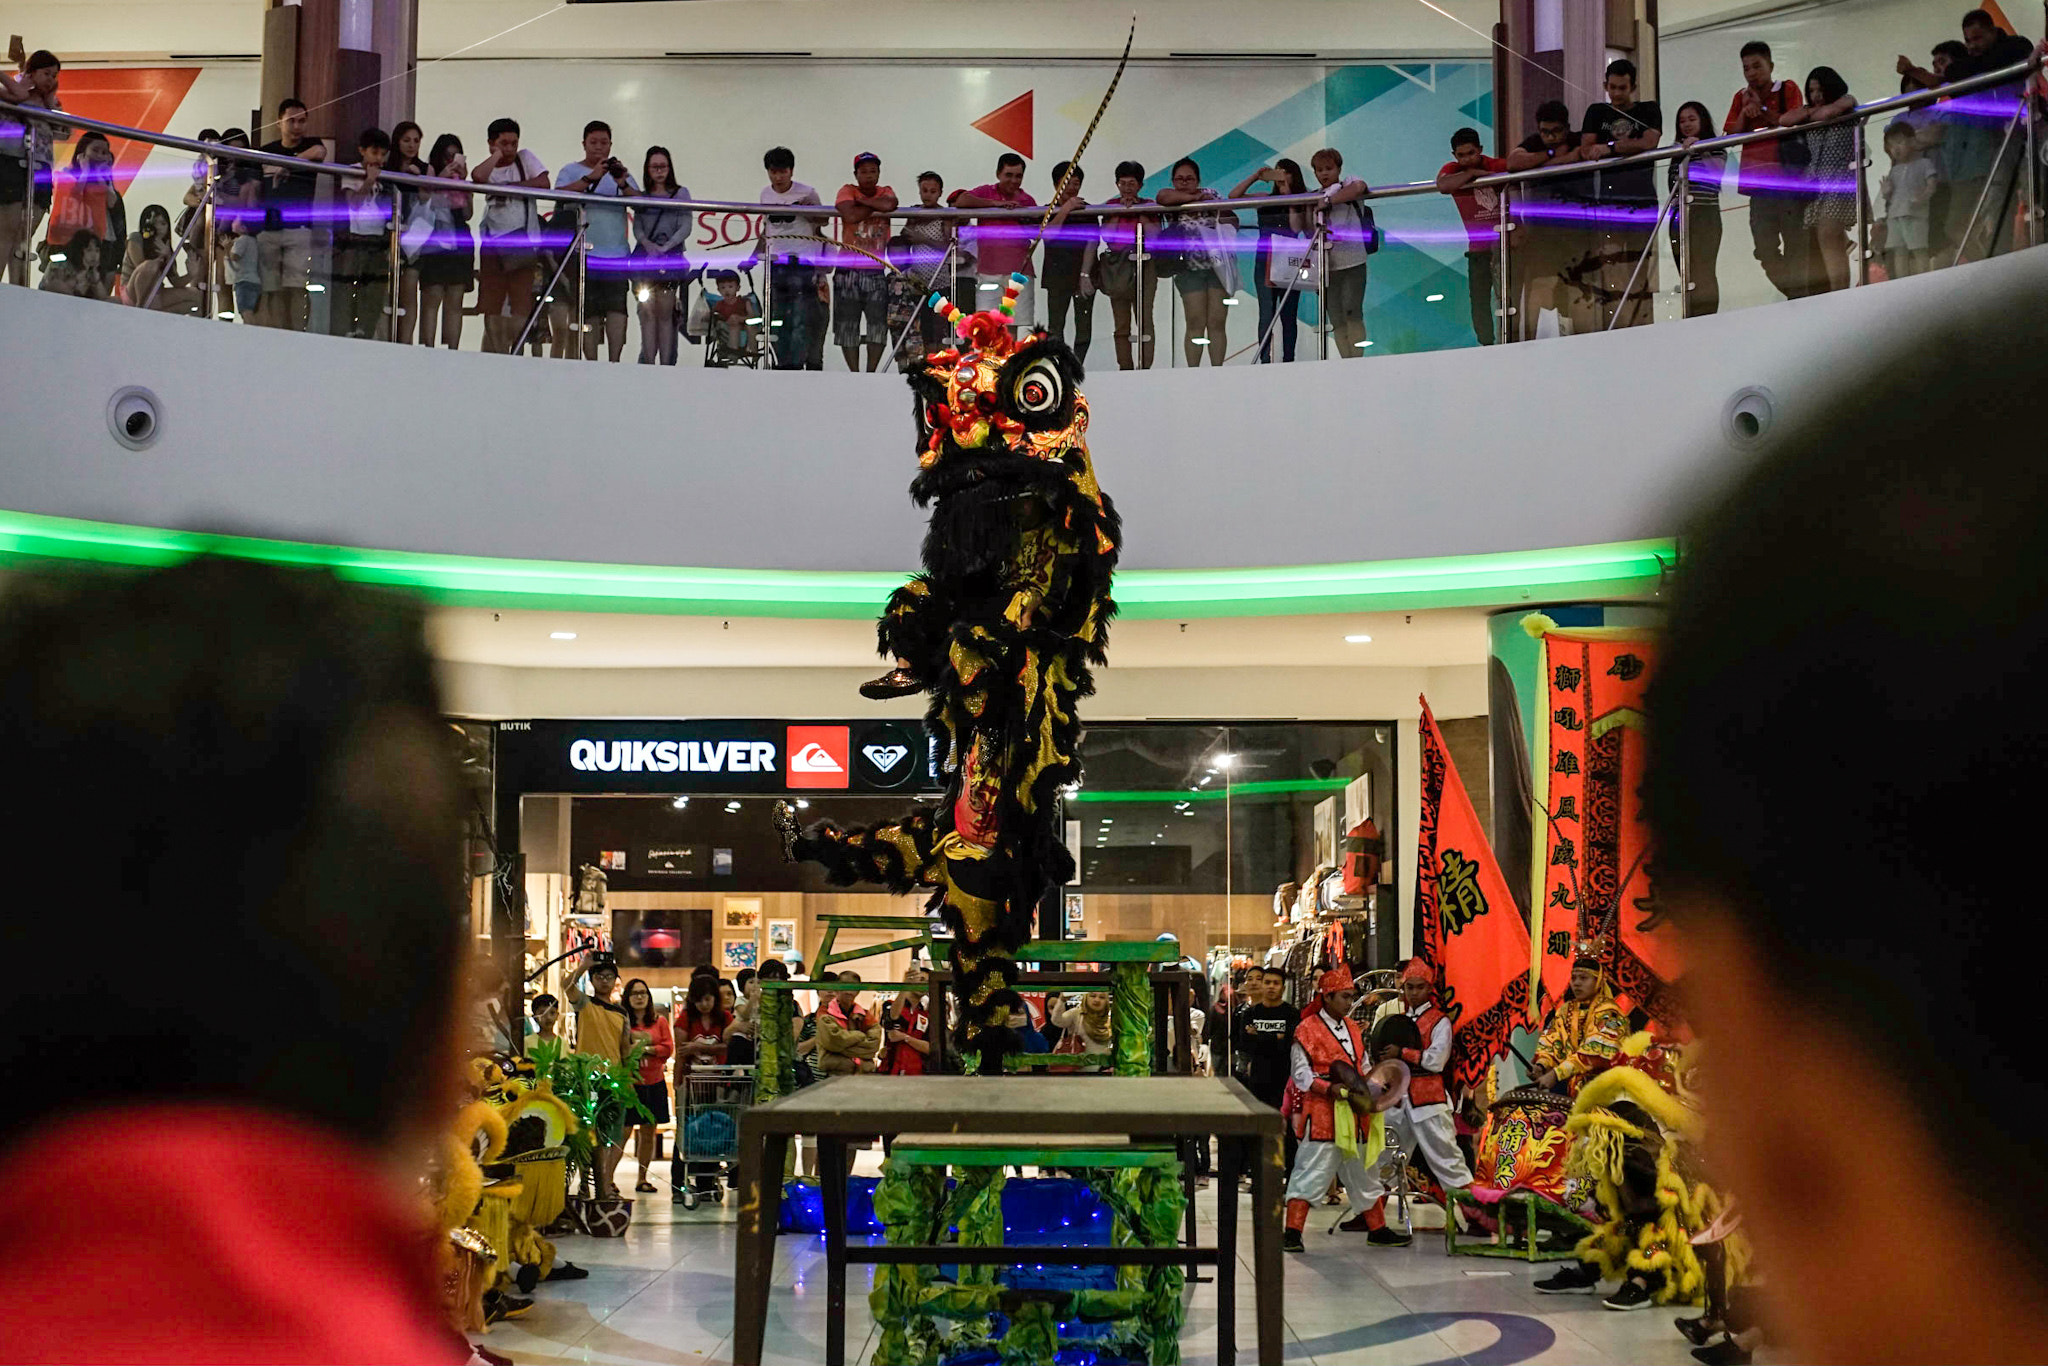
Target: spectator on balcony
(447,260)
(860,287)
(287,241)
(1002,246)
(1480,210)
(1069,264)
(927,250)
(1536,251)
(245,269)
(1281,228)
(27,151)
(362,249)
(1127,274)
(508,246)
(1777,207)
(660,236)
(1979,162)
(87,198)
(153,255)
(1344,287)
(74,268)
(1702,209)
(1207,243)
(406,140)
(1830,209)
(791,244)
(1617,276)
(1907,191)
(604,241)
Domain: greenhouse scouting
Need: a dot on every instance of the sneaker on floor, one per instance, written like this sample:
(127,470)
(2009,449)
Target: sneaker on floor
(1632,1295)
(1576,1279)
(1389,1237)
(1290,1241)
(1355,1224)
(1697,1331)
(568,1271)
(498,1305)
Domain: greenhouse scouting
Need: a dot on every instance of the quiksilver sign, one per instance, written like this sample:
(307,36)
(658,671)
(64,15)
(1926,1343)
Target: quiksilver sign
(673,756)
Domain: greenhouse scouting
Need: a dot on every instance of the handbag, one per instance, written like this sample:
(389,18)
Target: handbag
(1167,252)
(1294,263)
(1796,151)
(418,230)
(1117,274)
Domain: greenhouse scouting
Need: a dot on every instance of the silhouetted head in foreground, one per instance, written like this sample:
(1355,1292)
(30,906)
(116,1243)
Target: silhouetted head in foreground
(1849,740)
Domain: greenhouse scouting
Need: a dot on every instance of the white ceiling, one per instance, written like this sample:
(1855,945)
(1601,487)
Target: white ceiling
(519,639)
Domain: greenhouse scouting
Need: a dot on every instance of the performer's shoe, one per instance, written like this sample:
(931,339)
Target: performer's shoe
(1389,1237)
(1632,1295)
(526,1278)
(1360,1222)
(1577,1279)
(568,1271)
(498,1305)
(1697,1331)
(895,683)
(481,1353)
(1290,1241)
(1726,1352)
(784,816)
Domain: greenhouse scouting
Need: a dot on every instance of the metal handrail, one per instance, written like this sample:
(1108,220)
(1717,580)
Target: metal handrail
(827,212)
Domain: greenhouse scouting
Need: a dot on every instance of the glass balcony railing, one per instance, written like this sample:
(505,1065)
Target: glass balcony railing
(1684,230)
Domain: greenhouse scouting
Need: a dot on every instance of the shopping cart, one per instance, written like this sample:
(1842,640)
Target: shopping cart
(708,1129)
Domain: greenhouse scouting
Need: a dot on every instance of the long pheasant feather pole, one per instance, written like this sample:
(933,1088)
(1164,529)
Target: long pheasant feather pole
(1059,195)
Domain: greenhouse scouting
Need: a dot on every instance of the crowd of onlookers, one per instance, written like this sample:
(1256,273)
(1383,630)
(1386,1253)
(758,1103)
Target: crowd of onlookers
(401,263)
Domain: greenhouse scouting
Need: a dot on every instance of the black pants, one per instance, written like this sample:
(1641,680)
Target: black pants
(1784,247)
(1703,223)
(796,330)
(1058,298)
(1479,282)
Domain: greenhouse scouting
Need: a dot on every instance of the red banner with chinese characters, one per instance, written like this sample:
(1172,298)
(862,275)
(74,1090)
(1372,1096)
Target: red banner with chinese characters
(1472,934)
(1597,852)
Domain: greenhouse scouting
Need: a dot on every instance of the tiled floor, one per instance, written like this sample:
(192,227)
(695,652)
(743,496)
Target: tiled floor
(662,1295)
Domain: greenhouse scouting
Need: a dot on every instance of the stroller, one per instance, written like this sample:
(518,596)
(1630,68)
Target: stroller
(734,337)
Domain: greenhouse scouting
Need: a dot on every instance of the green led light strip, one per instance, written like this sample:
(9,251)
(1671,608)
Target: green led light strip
(1621,569)
(1281,787)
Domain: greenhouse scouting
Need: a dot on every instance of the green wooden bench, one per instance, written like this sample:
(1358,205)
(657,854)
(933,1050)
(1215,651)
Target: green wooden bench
(834,923)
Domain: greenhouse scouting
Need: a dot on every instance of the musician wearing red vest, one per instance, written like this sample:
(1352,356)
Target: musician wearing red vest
(1326,1037)
(1422,1123)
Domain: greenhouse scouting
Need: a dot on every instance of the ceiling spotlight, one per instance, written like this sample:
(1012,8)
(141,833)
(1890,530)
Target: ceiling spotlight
(1225,760)
(1231,302)
(316,289)
(802,804)
(680,802)
(732,806)
(1433,298)
(561,635)
(1358,640)
(753,322)
(1362,345)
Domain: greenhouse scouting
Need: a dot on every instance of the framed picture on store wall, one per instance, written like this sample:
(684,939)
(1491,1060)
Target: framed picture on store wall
(742,913)
(735,954)
(782,936)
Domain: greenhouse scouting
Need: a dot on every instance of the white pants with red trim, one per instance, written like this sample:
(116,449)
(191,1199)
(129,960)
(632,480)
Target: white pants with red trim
(1430,1134)
(1314,1166)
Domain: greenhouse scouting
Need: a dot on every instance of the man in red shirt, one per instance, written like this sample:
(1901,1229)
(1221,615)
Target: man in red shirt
(1002,246)
(906,1029)
(1480,208)
(1777,208)
(195,1175)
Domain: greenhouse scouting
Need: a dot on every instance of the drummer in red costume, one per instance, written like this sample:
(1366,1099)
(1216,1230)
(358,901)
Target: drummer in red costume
(1327,1037)
(1422,1123)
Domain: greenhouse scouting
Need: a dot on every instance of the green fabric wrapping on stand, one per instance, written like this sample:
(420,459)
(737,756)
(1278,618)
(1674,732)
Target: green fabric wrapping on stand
(1152,1198)
(1130,1020)
(775,1074)
(1033,1337)
(907,1201)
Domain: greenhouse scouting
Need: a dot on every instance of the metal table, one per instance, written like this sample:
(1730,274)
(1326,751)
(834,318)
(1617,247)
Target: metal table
(1166,1109)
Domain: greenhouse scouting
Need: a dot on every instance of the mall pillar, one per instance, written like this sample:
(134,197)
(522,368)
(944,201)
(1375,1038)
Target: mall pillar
(340,57)
(1568,44)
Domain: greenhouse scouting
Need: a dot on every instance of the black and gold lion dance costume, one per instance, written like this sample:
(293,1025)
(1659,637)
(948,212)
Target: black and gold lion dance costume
(1000,629)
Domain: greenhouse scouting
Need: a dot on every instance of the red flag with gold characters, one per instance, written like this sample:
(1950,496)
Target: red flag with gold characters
(1597,869)
(1472,933)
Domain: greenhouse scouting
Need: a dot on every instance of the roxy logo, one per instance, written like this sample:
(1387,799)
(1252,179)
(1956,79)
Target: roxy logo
(820,756)
(886,757)
(672,756)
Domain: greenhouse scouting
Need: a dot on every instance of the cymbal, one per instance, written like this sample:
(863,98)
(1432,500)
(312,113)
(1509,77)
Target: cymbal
(1387,1083)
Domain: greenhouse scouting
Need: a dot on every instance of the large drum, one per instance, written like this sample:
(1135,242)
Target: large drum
(1522,1144)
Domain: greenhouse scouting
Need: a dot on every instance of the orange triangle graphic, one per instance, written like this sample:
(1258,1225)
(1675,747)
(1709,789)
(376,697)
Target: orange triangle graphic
(1009,125)
(144,97)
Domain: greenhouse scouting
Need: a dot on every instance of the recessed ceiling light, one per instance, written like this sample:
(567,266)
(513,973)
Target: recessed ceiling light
(1358,640)
(1433,298)
(1225,760)
(802,805)
(561,635)
(680,802)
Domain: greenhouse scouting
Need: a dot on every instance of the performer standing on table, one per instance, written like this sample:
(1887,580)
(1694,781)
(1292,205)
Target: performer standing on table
(1326,1038)
(1585,1032)
(1422,1123)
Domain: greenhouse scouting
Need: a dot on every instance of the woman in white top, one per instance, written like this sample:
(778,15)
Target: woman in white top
(660,236)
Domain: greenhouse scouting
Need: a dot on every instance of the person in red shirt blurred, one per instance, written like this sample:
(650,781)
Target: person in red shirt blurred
(906,1029)
(646,1025)
(225,1167)
(1480,208)
(699,1042)
(1777,206)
